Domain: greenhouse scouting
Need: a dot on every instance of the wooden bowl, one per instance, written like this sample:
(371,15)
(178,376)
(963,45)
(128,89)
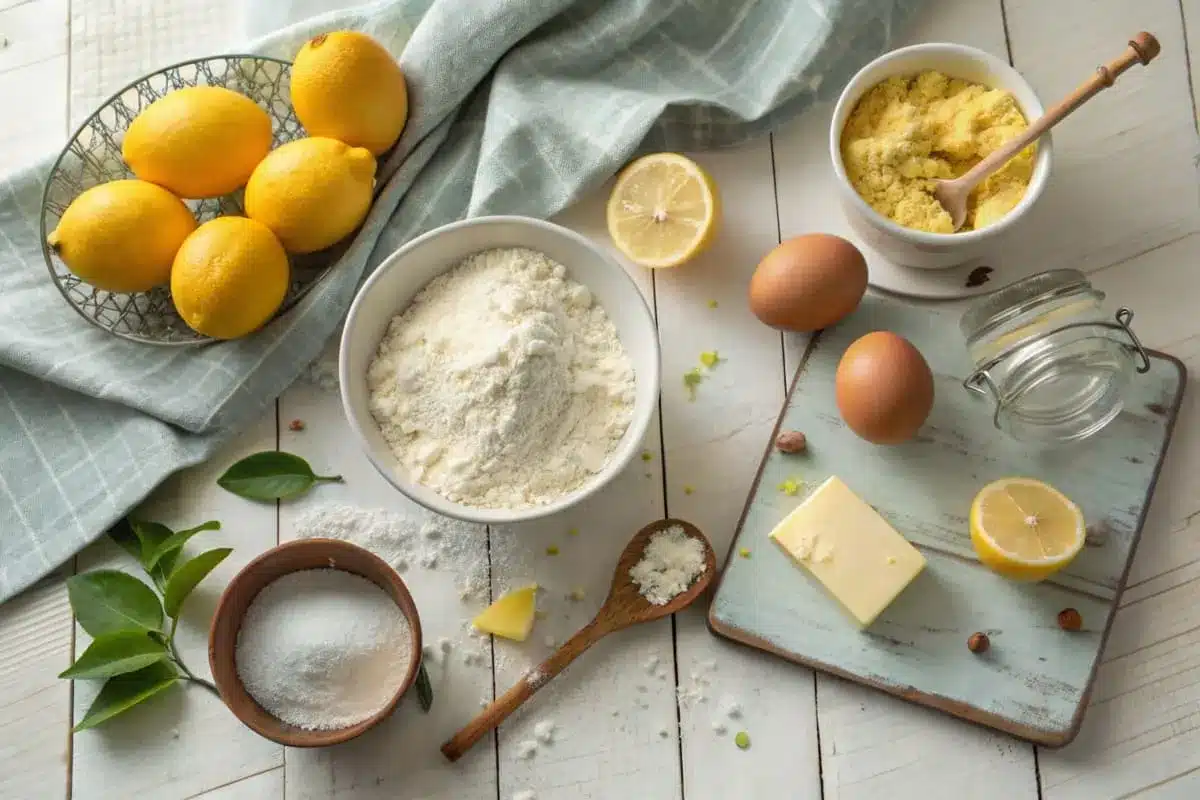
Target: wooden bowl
(294,556)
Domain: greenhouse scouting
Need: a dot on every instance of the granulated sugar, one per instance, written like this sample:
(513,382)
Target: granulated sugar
(323,649)
(670,564)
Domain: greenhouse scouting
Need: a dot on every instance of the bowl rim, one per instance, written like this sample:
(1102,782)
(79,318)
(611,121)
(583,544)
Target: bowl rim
(857,86)
(223,660)
(435,502)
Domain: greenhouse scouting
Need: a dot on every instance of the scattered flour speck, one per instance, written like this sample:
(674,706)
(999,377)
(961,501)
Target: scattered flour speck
(545,730)
(527,749)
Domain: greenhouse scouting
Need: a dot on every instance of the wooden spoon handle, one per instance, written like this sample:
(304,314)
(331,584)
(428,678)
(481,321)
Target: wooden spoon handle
(1141,50)
(491,717)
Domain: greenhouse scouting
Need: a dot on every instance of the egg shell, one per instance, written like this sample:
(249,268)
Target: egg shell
(884,388)
(808,282)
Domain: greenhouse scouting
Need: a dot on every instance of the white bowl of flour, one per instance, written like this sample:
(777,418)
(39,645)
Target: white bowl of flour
(499,369)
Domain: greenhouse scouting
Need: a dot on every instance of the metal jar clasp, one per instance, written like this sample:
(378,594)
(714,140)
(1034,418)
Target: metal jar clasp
(980,381)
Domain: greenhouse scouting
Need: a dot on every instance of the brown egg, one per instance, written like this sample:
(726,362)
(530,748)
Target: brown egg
(884,388)
(808,283)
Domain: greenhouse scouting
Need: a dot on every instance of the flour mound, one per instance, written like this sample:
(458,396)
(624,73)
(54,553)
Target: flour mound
(503,384)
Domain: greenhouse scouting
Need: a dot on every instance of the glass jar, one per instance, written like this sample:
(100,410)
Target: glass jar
(1054,362)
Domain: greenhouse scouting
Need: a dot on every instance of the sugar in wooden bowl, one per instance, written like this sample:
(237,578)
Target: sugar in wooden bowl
(315,642)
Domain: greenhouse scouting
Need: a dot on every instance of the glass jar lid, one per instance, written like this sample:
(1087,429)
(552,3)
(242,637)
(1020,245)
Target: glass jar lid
(1009,302)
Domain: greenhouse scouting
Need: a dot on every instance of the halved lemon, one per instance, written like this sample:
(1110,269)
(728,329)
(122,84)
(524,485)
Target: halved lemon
(663,210)
(1025,529)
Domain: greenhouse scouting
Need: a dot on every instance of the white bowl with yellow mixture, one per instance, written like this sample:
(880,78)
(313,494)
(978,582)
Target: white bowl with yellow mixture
(926,112)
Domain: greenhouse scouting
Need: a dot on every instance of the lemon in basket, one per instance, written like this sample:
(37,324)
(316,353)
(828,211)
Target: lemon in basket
(345,85)
(121,236)
(229,277)
(1025,529)
(312,192)
(663,210)
(199,141)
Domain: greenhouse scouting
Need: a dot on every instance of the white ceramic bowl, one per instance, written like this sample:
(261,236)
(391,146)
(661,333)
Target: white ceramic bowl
(404,273)
(918,248)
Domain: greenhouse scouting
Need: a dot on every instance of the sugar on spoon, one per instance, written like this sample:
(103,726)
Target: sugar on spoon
(952,194)
(625,606)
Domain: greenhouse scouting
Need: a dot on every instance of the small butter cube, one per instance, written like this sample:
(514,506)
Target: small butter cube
(855,554)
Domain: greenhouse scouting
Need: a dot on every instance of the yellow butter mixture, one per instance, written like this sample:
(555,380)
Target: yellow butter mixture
(910,130)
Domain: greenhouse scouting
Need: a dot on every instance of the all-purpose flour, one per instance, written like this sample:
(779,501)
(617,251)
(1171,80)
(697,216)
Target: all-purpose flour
(323,648)
(504,384)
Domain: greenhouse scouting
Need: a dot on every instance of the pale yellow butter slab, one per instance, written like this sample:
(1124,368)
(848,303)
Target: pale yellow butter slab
(846,545)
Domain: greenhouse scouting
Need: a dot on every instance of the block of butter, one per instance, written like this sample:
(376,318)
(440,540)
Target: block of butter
(856,555)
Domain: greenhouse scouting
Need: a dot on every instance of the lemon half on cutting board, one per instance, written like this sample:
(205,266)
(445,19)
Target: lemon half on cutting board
(663,210)
(1025,529)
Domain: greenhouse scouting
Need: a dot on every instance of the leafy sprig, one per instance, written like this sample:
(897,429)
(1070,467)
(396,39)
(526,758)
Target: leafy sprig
(132,623)
(272,475)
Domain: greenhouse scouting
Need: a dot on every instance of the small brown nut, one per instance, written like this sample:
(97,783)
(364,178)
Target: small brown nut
(1070,620)
(296,425)
(791,442)
(978,643)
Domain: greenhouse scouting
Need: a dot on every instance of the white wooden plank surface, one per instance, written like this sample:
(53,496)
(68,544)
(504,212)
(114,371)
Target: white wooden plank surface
(1124,183)
(873,745)
(184,741)
(35,629)
(712,446)
(33,80)
(1143,726)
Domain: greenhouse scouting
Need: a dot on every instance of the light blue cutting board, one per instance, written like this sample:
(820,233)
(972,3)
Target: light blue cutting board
(1034,681)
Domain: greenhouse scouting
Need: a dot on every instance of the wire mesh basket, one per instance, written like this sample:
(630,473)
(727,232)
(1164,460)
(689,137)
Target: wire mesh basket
(93,156)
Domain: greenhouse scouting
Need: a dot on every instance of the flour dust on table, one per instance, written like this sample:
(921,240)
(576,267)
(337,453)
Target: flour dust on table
(323,649)
(404,542)
(504,384)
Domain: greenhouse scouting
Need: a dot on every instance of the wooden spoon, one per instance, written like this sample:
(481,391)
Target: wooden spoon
(625,606)
(953,194)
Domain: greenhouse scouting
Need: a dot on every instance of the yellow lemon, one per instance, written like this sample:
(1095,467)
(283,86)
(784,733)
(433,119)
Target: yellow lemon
(346,86)
(511,616)
(121,236)
(663,210)
(312,192)
(1025,529)
(199,141)
(229,277)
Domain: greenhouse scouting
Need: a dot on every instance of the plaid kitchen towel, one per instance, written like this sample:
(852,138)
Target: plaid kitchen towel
(518,107)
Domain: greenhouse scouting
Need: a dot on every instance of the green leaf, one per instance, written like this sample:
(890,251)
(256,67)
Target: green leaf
(108,601)
(151,535)
(176,541)
(123,534)
(424,690)
(116,654)
(271,475)
(187,575)
(123,692)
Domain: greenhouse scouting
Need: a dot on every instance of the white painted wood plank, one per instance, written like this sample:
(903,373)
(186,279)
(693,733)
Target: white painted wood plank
(713,445)
(873,745)
(184,741)
(401,755)
(263,786)
(1124,177)
(617,724)
(40,129)
(32,32)
(116,41)
(1142,730)
(35,645)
